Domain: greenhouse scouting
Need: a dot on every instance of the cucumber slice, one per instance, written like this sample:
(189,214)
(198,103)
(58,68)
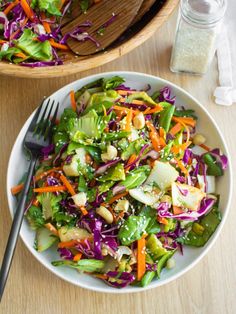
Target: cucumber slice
(44,239)
(73,233)
(155,247)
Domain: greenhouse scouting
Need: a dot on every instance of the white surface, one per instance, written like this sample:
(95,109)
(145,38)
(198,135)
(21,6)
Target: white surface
(191,255)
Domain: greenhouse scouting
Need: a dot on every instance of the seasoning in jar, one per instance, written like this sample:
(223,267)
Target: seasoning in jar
(195,42)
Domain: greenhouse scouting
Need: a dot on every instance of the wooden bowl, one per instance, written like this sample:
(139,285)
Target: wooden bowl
(132,38)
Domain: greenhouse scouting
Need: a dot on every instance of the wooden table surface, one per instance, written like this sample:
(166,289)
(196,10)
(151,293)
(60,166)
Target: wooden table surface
(208,288)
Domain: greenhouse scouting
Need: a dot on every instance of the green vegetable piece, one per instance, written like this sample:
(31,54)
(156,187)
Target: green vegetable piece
(82,186)
(37,50)
(9,54)
(132,229)
(210,222)
(166,116)
(213,168)
(35,217)
(133,148)
(106,98)
(95,152)
(154,247)
(162,262)
(115,173)
(104,187)
(44,239)
(142,96)
(147,278)
(50,204)
(185,113)
(149,259)
(136,177)
(165,153)
(112,82)
(109,137)
(170,226)
(153,225)
(89,86)
(197,228)
(50,6)
(88,265)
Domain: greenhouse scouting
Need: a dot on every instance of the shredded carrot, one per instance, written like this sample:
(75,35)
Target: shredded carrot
(205,147)
(128,120)
(61,4)
(2,42)
(125,92)
(100,276)
(120,108)
(45,24)
(154,136)
(176,129)
(162,220)
(72,243)
(77,257)
(56,188)
(130,161)
(67,185)
(162,132)
(156,109)
(141,258)
(115,198)
(182,167)
(16,189)
(51,228)
(10,7)
(68,244)
(83,210)
(134,101)
(178,148)
(72,100)
(20,55)
(177,210)
(189,121)
(27,9)
(35,202)
(58,46)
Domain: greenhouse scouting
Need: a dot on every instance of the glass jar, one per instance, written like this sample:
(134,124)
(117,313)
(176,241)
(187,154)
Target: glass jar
(197,29)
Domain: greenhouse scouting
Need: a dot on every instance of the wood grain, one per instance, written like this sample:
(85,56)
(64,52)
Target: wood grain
(122,13)
(146,5)
(75,64)
(209,288)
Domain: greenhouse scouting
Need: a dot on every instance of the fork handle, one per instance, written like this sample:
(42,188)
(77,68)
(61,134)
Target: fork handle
(15,228)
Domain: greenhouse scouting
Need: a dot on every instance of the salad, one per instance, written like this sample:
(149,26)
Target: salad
(125,185)
(30,30)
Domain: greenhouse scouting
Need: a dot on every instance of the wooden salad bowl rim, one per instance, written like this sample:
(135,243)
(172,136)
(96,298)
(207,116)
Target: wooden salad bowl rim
(93,61)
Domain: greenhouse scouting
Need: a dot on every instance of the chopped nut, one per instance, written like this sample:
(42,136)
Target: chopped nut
(199,139)
(139,121)
(166,199)
(105,213)
(80,199)
(110,154)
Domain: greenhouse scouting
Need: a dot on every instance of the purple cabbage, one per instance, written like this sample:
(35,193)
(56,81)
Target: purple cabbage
(104,167)
(123,279)
(151,267)
(86,249)
(184,192)
(187,156)
(46,151)
(181,179)
(132,165)
(58,156)
(221,158)
(65,253)
(39,64)
(165,95)
(118,189)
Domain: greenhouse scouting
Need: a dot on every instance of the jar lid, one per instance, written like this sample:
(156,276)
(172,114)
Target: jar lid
(205,12)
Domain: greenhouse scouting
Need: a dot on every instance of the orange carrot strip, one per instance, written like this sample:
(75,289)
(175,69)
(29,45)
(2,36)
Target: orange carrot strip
(125,92)
(100,276)
(162,132)
(128,120)
(134,101)
(20,55)
(10,7)
(83,210)
(45,24)
(27,9)
(56,188)
(177,210)
(120,108)
(157,108)
(176,129)
(162,220)
(77,257)
(58,46)
(2,41)
(35,202)
(51,228)
(67,185)
(182,167)
(177,148)
(205,147)
(154,136)
(130,161)
(115,198)
(72,100)
(189,121)
(141,258)
(16,189)
(72,243)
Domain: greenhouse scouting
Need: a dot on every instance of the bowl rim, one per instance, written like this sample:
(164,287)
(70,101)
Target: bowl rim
(213,238)
(95,60)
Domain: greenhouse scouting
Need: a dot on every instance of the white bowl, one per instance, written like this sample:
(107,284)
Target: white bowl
(18,165)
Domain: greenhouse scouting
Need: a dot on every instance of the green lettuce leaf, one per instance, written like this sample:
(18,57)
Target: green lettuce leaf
(116,173)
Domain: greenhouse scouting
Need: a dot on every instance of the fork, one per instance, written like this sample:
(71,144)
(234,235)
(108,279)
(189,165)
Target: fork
(38,136)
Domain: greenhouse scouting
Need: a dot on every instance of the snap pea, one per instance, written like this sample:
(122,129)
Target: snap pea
(166,116)
(162,262)
(213,168)
(147,278)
